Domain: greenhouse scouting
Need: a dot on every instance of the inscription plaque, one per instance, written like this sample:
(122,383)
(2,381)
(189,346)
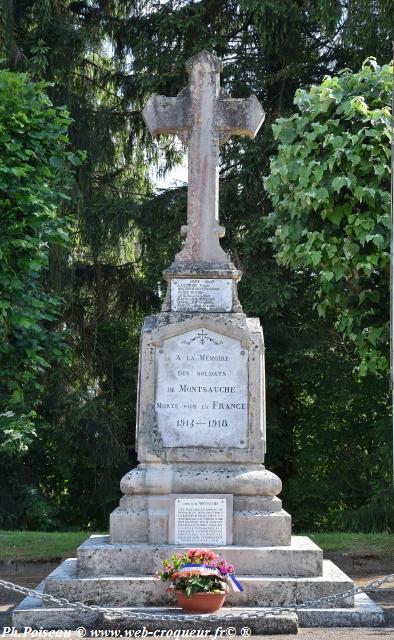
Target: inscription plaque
(201,294)
(201,395)
(200,519)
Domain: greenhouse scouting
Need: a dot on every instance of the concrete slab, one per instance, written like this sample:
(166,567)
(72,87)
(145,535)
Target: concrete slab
(97,556)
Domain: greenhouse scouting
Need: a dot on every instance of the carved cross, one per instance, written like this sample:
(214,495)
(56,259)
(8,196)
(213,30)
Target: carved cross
(204,117)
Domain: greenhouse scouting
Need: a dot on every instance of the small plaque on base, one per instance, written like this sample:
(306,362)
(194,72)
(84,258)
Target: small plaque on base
(201,294)
(205,519)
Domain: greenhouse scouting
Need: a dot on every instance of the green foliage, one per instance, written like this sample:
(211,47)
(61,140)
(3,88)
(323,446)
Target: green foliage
(200,584)
(34,163)
(330,189)
(377,514)
(340,441)
(85,419)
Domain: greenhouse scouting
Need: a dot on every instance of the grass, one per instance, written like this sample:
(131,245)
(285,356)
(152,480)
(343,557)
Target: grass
(357,543)
(43,546)
(39,545)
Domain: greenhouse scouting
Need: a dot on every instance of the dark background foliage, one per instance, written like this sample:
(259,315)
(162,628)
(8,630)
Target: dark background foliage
(328,431)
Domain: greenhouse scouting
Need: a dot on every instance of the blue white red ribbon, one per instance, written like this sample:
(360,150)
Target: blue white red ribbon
(206,570)
(236,586)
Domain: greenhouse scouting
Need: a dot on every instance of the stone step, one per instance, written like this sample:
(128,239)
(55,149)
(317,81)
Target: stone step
(98,557)
(31,613)
(140,591)
(365,613)
(217,625)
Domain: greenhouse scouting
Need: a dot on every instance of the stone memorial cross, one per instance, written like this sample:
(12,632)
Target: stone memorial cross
(203,116)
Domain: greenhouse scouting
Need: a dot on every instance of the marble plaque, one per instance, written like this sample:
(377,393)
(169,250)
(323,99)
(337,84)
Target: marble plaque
(201,294)
(201,397)
(200,519)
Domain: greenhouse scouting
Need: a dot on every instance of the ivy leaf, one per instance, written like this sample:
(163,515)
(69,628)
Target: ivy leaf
(315,257)
(335,215)
(341,181)
(345,181)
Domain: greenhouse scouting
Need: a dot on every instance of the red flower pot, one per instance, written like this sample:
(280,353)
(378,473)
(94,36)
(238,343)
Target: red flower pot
(201,602)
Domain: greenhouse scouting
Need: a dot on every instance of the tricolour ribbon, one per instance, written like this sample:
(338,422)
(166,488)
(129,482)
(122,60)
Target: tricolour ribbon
(206,570)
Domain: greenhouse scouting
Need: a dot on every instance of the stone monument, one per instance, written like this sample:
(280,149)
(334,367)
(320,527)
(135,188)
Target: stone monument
(201,423)
(201,413)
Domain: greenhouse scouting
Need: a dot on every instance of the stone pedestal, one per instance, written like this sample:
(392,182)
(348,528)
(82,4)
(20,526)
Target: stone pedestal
(201,428)
(200,433)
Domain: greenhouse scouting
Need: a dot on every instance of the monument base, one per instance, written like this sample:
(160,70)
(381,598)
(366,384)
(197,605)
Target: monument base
(122,575)
(33,614)
(146,590)
(146,521)
(98,557)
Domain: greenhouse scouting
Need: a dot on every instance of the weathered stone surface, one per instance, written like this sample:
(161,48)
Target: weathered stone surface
(365,613)
(258,504)
(167,115)
(285,623)
(148,522)
(144,590)
(31,613)
(203,116)
(266,503)
(201,271)
(157,331)
(242,117)
(202,294)
(258,528)
(201,395)
(97,556)
(238,479)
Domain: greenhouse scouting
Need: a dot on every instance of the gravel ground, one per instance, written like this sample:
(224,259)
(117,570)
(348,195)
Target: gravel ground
(384,597)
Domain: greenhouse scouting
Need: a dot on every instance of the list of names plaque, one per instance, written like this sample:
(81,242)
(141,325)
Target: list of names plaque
(201,294)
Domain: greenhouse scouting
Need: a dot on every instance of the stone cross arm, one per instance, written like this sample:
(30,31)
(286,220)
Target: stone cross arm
(234,116)
(166,115)
(240,116)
